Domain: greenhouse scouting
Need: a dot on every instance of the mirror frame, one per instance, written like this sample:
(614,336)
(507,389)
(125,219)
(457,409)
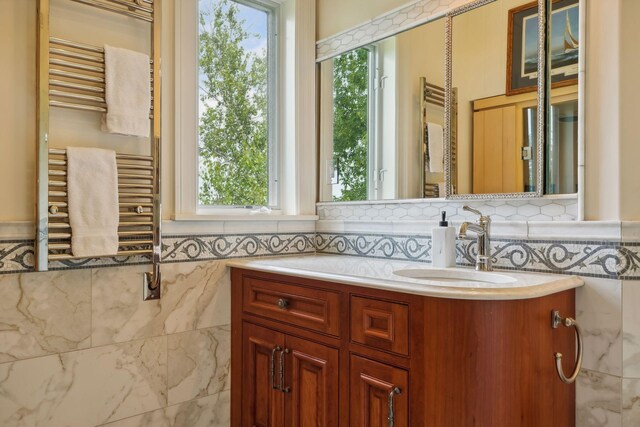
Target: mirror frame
(542,91)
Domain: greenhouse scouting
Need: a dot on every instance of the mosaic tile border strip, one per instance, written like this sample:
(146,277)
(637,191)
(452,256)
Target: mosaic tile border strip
(199,248)
(391,23)
(604,259)
(17,256)
(413,248)
(545,209)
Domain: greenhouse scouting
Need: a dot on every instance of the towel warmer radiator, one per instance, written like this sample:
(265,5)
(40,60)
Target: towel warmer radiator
(70,75)
(434,95)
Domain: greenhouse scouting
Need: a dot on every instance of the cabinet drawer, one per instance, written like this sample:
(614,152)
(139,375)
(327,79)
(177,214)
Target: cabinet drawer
(380,324)
(310,308)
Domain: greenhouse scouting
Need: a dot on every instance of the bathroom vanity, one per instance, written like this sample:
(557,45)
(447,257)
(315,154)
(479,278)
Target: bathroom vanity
(331,340)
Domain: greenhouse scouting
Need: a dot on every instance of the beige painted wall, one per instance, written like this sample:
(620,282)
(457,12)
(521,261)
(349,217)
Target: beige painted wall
(335,16)
(612,111)
(17,110)
(629,109)
(612,146)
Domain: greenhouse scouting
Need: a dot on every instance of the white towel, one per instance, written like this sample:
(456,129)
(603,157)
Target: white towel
(436,148)
(92,187)
(128,92)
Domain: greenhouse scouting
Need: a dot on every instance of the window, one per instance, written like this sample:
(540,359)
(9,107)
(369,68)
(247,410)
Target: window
(237,149)
(245,110)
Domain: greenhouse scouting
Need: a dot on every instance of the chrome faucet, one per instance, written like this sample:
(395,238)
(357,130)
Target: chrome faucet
(481,228)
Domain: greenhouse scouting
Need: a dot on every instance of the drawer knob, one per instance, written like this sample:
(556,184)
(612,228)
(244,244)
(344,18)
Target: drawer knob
(283,304)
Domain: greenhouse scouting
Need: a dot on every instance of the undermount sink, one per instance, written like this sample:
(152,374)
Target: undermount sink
(456,277)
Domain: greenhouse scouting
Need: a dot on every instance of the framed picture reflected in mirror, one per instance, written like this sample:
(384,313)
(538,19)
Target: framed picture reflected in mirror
(522,46)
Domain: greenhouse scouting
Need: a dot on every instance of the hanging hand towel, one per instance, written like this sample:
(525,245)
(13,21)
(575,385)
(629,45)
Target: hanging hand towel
(436,148)
(127,91)
(92,187)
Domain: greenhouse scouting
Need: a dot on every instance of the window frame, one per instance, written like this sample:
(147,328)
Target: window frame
(297,123)
(187,179)
(373,139)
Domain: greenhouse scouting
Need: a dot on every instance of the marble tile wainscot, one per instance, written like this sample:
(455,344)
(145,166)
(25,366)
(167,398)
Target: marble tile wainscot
(80,348)
(81,336)
(54,325)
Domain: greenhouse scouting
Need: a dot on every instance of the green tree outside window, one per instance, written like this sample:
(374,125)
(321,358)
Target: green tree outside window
(233,145)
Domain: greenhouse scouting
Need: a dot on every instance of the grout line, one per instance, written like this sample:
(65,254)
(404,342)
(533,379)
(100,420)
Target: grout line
(91,308)
(78,350)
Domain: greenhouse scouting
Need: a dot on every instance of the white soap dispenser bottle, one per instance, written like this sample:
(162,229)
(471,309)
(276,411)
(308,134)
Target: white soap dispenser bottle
(443,244)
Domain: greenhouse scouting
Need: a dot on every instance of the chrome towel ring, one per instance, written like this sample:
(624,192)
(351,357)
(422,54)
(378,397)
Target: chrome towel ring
(556,321)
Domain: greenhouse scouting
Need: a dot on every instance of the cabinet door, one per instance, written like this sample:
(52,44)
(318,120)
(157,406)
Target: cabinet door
(379,394)
(311,384)
(262,405)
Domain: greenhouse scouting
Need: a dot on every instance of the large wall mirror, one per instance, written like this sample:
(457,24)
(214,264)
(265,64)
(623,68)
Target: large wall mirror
(455,107)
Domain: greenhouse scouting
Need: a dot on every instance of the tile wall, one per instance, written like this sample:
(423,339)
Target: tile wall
(81,348)
(83,338)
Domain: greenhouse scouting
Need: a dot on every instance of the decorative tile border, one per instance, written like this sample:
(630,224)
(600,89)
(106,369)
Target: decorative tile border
(384,26)
(609,260)
(414,248)
(16,256)
(604,259)
(545,209)
(199,248)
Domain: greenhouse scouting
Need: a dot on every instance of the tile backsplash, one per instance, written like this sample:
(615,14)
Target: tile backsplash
(546,209)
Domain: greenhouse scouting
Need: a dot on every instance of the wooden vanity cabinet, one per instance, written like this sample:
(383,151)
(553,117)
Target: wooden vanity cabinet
(314,353)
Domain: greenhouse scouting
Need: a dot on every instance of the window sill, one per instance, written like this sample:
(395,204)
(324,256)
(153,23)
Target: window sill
(248,217)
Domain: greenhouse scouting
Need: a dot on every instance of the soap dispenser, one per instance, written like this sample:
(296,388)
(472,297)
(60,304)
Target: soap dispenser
(443,244)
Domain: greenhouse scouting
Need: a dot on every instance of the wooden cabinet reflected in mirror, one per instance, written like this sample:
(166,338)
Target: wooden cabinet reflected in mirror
(505,146)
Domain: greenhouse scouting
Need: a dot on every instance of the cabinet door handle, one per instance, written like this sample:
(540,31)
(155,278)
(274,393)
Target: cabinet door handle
(282,387)
(283,304)
(556,321)
(391,417)
(272,367)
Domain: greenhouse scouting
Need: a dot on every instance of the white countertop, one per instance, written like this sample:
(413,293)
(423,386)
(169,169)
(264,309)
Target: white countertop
(379,274)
